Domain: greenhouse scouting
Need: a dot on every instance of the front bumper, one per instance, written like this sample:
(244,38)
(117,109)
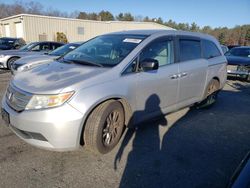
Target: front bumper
(238,70)
(54,129)
(3,62)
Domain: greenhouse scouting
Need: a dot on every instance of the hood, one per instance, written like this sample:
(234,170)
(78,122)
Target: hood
(5,47)
(54,77)
(237,60)
(35,59)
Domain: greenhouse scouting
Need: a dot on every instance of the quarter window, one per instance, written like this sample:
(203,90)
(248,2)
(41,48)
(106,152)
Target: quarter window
(189,50)
(159,50)
(209,49)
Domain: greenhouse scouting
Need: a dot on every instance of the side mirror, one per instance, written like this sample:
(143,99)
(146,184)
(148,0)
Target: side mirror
(17,46)
(149,64)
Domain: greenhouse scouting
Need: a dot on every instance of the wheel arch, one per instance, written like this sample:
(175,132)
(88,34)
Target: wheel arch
(126,107)
(7,64)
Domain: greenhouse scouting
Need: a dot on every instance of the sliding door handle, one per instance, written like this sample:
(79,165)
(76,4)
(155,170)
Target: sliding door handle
(174,76)
(183,74)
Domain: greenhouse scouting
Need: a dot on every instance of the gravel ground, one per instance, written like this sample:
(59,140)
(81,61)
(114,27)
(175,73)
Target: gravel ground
(189,148)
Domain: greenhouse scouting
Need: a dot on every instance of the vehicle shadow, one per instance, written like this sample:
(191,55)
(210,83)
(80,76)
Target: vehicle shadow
(201,149)
(144,158)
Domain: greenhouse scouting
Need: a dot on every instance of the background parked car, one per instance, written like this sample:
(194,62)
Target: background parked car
(239,62)
(7,43)
(32,61)
(232,46)
(9,56)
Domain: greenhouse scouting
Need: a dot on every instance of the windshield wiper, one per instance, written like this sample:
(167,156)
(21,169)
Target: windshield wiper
(62,59)
(87,63)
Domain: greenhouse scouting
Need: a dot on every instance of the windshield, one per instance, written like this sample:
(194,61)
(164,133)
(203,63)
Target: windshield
(64,49)
(243,52)
(6,41)
(106,50)
(28,47)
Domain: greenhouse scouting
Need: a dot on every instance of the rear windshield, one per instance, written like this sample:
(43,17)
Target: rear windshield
(27,47)
(243,52)
(106,50)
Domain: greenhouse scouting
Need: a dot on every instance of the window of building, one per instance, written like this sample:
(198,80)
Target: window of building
(80,31)
(189,49)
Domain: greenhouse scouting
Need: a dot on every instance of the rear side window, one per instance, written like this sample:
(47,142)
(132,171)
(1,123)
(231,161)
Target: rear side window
(55,45)
(189,49)
(209,49)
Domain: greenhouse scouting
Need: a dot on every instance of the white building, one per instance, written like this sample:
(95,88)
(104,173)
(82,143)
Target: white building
(39,28)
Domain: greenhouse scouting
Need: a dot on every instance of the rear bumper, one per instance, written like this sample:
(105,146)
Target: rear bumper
(53,129)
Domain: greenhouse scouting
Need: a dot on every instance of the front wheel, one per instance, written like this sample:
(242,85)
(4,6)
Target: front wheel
(11,61)
(104,127)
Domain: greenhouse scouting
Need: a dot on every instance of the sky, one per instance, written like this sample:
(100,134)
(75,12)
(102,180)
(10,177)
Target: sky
(215,13)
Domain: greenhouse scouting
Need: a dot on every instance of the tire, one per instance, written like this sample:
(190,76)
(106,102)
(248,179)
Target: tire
(210,94)
(11,61)
(248,78)
(104,127)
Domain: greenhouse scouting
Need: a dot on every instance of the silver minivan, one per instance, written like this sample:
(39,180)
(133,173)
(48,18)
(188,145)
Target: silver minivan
(111,82)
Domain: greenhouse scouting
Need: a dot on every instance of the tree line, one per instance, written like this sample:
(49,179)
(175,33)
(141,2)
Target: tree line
(238,35)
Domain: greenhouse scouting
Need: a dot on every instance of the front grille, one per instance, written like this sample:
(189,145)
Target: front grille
(17,99)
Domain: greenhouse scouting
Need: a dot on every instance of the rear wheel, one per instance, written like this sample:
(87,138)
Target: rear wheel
(210,94)
(104,127)
(11,61)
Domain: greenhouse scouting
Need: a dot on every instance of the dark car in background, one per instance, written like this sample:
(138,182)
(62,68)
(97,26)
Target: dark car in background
(8,57)
(233,46)
(7,43)
(239,62)
(29,62)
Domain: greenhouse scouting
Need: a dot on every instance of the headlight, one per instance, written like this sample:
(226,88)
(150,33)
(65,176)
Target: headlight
(48,101)
(24,68)
(2,56)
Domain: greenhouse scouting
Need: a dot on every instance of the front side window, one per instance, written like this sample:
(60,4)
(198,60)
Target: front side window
(106,50)
(41,47)
(209,49)
(162,51)
(189,49)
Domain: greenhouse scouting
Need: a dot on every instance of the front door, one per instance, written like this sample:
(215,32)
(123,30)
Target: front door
(157,89)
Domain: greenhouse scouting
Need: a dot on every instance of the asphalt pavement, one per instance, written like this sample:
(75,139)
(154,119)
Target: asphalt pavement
(188,148)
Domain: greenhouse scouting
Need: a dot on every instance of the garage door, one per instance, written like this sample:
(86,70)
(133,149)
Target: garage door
(19,30)
(7,30)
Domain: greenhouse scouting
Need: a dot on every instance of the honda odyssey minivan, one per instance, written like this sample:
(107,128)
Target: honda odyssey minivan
(92,93)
